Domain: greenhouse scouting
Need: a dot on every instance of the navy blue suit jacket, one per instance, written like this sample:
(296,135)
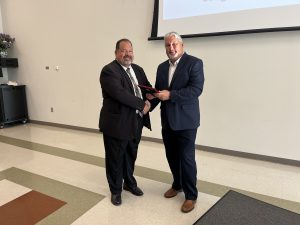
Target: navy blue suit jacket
(181,111)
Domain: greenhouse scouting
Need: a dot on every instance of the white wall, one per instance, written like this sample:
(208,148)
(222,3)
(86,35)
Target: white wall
(4,78)
(250,101)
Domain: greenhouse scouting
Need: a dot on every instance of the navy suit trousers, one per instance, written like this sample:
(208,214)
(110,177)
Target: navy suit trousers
(180,152)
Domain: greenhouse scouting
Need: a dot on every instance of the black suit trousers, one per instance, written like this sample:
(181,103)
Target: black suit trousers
(120,156)
(180,152)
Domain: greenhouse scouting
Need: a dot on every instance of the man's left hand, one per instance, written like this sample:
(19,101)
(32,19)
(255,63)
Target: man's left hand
(163,95)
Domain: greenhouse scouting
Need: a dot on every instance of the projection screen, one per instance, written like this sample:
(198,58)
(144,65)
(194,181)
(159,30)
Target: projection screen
(222,17)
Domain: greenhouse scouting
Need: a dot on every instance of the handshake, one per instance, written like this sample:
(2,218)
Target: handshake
(146,107)
(163,95)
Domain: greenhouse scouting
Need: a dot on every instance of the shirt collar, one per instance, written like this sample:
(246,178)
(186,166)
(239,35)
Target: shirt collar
(175,63)
(125,68)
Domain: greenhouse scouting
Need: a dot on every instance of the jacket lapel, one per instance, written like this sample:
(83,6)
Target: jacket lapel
(137,75)
(125,76)
(165,76)
(178,69)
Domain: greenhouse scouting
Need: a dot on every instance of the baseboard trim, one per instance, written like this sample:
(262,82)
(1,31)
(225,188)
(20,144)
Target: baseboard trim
(229,152)
(64,126)
(247,155)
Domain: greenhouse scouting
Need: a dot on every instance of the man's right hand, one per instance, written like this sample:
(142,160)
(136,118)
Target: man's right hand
(146,107)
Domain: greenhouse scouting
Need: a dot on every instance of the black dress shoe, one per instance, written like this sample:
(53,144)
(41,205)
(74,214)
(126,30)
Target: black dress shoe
(136,191)
(116,199)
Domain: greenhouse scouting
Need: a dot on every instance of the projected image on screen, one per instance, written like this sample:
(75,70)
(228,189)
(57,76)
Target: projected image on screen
(187,8)
(202,17)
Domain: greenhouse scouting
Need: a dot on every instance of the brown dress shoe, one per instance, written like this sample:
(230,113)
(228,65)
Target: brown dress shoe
(171,193)
(188,206)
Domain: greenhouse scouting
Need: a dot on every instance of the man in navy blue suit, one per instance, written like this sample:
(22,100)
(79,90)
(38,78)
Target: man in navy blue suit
(180,81)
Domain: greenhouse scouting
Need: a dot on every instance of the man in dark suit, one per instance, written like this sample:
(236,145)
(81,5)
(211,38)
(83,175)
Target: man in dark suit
(180,80)
(124,113)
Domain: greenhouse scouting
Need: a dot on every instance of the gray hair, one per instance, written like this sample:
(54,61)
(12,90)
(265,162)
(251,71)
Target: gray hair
(175,34)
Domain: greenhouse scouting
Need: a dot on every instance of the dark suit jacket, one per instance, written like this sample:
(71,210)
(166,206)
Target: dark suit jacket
(118,113)
(182,111)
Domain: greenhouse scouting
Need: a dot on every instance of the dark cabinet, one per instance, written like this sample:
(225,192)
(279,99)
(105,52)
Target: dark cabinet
(13,104)
(8,63)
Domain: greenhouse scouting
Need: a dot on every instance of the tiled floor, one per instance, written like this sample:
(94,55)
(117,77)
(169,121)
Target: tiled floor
(69,165)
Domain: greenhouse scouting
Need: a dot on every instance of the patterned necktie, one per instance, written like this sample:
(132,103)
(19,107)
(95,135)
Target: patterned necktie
(137,91)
